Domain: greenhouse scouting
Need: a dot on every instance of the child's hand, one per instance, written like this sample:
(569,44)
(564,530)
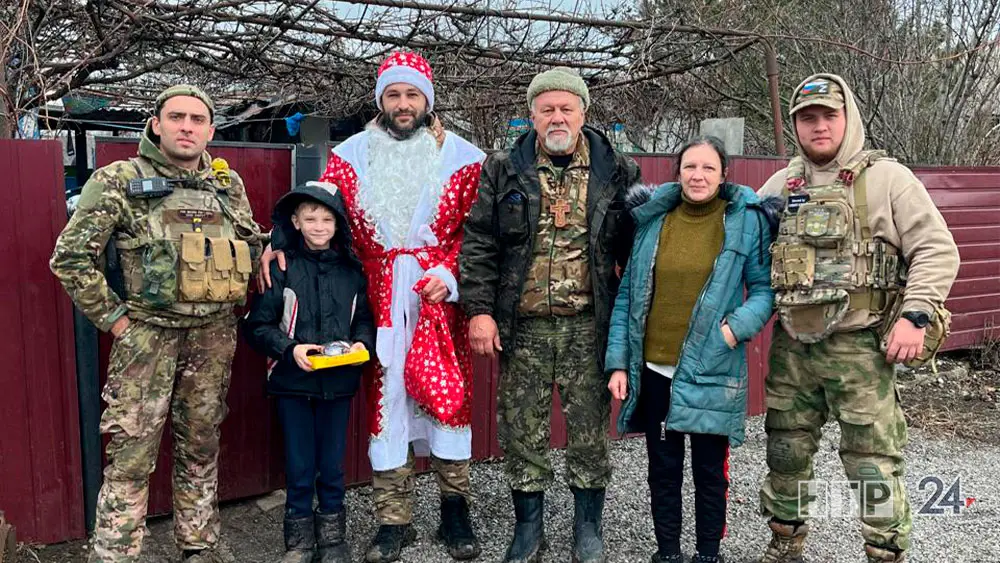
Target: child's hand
(357,347)
(301,355)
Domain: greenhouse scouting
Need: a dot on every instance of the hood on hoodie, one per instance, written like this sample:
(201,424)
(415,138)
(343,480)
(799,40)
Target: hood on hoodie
(324,193)
(149,148)
(854,134)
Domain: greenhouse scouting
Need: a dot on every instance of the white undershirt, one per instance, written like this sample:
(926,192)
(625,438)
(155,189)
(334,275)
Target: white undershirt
(662,369)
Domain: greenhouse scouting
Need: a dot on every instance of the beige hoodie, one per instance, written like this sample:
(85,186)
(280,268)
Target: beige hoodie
(900,212)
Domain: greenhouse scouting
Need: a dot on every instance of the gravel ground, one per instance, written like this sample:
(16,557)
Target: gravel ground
(253,529)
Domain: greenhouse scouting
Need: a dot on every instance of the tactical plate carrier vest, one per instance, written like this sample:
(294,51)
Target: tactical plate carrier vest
(189,259)
(825,261)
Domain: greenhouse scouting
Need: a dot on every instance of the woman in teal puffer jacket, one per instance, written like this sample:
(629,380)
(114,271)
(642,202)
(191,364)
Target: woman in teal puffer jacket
(696,289)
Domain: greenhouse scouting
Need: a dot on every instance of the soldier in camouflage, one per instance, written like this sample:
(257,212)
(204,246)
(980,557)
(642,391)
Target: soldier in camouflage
(538,278)
(186,239)
(859,238)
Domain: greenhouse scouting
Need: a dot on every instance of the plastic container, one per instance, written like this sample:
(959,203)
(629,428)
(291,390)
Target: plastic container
(338,354)
(348,359)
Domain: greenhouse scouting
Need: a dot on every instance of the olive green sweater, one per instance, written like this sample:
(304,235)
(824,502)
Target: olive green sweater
(691,238)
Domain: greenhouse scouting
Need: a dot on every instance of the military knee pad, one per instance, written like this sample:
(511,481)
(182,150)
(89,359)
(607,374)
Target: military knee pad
(876,491)
(788,451)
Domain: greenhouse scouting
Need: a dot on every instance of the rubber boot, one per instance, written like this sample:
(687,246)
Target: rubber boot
(588,531)
(456,529)
(528,542)
(389,542)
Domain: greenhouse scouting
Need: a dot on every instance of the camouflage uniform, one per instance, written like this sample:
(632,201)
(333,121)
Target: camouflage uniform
(859,238)
(394,489)
(174,358)
(555,344)
(818,371)
(551,289)
(558,279)
(846,377)
(556,350)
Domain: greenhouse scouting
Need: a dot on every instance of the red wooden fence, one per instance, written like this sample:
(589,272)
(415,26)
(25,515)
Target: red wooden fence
(969,199)
(41,488)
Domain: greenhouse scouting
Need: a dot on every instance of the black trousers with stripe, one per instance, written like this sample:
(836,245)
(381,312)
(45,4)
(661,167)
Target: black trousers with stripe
(709,467)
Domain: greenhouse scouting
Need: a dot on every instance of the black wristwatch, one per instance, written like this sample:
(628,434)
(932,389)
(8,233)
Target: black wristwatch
(919,319)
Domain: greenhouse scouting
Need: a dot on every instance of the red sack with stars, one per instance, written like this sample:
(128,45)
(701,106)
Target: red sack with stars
(431,373)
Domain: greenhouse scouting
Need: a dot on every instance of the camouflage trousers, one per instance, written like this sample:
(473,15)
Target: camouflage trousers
(844,376)
(394,488)
(154,372)
(560,351)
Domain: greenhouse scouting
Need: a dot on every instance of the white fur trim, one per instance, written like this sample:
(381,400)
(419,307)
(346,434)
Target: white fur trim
(449,280)
(406,75)
(384,345)
(456,154)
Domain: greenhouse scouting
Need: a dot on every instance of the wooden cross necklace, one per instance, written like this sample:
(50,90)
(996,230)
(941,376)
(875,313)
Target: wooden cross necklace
(559,209)
(559,206)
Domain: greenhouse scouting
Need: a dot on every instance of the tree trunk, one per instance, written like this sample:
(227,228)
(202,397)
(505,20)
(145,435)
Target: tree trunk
(6,126)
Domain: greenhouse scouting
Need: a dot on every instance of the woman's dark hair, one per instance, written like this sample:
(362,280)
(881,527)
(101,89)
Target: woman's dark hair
(710,140)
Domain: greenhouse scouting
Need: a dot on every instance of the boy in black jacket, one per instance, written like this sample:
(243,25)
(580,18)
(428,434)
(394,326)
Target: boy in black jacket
(320,298)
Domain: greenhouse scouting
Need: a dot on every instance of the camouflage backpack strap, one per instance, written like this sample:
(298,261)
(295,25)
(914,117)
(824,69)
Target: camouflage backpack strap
(852,176)
(795,176)
(142,170)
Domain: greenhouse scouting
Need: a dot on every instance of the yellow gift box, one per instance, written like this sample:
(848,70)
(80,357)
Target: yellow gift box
(348,359)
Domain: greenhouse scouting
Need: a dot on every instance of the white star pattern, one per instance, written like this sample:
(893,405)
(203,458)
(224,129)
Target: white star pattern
(411,60)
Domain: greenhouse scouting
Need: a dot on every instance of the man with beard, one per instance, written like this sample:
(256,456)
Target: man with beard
(538,281)
(408,187)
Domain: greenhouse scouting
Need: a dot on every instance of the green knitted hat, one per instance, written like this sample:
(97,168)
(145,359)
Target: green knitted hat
(560,78)
(184,90)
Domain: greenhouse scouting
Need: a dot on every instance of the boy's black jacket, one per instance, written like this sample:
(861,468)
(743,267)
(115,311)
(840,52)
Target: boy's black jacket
(320,298)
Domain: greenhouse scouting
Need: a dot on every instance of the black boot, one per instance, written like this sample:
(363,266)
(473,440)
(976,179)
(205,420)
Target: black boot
(331,538)
(389,541)
(698,558)
(456,529)
(300,540)
(588,533)
(529,530)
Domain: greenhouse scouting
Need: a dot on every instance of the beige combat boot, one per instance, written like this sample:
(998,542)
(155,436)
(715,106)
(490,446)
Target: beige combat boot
(883,555)
(787,543)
